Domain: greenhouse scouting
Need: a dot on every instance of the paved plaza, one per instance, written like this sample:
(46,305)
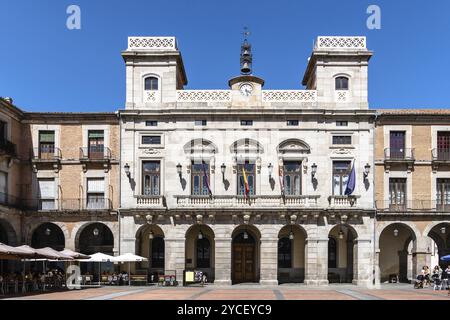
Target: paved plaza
(245,292)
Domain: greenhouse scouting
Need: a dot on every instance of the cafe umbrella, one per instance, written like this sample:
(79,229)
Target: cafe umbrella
(98,257)
(446,258)
(129,257)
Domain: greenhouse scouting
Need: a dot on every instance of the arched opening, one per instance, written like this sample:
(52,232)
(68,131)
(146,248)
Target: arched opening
(200,250)
(245,255)
(291,254)
(440,234)
(48,235)
(341,248)
(150,244)
(341,83)
(3,233)
(151,84)
(8,237)
(96,237)
(395,260)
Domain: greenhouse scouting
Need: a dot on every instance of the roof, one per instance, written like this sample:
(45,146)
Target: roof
(418,112)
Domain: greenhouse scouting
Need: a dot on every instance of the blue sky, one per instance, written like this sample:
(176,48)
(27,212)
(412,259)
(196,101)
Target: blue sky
(46,67)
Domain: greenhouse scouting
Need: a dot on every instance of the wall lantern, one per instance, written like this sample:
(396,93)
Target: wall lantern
(200,235)
(270,167)
(366,170)
(245,235)
(179,170)
(48,232)
(341,235)
(395,232)
(150,235)
(126,167)
(443,230)
(96,232)
(222,169)
(313,170)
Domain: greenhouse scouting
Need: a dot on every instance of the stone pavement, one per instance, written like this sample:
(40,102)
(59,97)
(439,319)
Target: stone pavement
(246,292)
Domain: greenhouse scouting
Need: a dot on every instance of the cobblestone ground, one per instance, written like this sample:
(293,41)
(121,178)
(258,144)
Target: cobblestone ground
(245,292)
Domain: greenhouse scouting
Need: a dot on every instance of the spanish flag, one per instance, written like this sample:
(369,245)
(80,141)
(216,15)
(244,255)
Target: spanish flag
(244,175)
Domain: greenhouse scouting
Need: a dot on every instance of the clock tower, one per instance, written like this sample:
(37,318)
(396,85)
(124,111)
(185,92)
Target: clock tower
(246,88)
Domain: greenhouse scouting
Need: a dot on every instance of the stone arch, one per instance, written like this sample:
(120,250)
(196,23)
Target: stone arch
(61,226)
(245,255)
(150,243)
(8,235)
(291,254)
(200,146)
(439,232)
(200,249)
(246,145)
(342,264)
(100,235)
(410,225)
(48,234)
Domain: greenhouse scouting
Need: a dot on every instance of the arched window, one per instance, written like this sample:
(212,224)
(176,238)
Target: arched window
(158,252)
(284,253)
(203,253)
(341,83)
(332,253)
(151,83)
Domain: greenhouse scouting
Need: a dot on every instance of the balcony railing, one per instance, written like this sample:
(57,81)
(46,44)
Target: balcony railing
(150,201)
(275,201)
(343,201)
(412,205)
(46,154)
(95,153)
(440,155)
(7,147)
(399,154)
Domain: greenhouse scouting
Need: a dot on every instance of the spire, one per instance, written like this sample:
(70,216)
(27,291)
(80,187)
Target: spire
(246,54)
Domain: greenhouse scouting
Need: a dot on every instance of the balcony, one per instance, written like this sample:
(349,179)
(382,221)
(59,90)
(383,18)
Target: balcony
(275,201)
(413,206)
(150,201)
(396,156)
(45,156)
(95,155)
(440,157)
(67,205)
(343,201)
(7,148)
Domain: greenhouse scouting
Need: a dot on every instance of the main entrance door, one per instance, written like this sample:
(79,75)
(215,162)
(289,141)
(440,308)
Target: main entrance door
(244,256)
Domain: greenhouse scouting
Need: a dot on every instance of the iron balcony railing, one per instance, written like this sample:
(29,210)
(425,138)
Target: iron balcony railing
(399,154)
(95,153)
(413,205)
(76,204)
(7,147)
(440,154)
(46,153)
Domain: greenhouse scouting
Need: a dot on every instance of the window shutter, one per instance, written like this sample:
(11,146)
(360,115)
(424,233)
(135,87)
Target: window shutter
(47,188)
(95,134)
(96,185)
(47,137)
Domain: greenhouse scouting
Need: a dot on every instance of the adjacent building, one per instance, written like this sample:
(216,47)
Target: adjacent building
(246,184)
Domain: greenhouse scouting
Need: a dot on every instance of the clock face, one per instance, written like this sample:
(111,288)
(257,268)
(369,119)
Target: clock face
(246,89)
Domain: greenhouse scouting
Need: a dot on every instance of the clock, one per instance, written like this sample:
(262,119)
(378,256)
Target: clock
(246,89)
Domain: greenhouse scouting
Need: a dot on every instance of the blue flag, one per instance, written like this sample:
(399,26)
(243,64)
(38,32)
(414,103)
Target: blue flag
(351,182)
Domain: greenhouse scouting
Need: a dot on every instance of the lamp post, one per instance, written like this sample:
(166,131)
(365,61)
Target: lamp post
(179,170)
(313,170)
(222,169)
(126,167)
(270,167)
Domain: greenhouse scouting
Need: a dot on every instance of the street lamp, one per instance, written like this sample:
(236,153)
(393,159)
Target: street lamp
(443,230)
(126,167)
(179,170)
(313,170)
(366,170)
(341,235)
(270,167)
(222,169)
(96,232)
(150,235)
(48,232)
(395,232)
(200,235)
(245,235)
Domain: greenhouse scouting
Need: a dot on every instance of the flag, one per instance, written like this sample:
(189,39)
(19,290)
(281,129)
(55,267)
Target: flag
(281,177)
(351,182)
(205,177)
(244,176)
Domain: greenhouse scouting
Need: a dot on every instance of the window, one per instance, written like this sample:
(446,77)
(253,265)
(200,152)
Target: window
(251,177)
(3,187)
(341,170)
(292,178)
(397,144)
(46,144)
(151,139)
(157,252)
(342,140)
(199,178)
(443,194)
(3,131)
(246,122)
(332,253)
(151,178)
(46,194)
(443,145)
(284,253)
(200,122)
(292,122)
(151,83)
(341,123)
(341,83)
(96,144)
(151,123)
(203,253)
(397,192)
(95,193)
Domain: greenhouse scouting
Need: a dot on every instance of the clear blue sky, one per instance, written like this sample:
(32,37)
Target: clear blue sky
(46,67)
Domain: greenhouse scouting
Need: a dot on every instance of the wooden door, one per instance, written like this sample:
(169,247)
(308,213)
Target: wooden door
(397,144)
(243,263)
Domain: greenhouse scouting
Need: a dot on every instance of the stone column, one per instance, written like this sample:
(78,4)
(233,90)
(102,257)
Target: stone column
(316,261)
(175,256)
(222,268)
(362,262)
(377,274)
(269,261)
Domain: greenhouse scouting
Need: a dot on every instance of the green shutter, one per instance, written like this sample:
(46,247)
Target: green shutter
(96,134)
(46,137)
